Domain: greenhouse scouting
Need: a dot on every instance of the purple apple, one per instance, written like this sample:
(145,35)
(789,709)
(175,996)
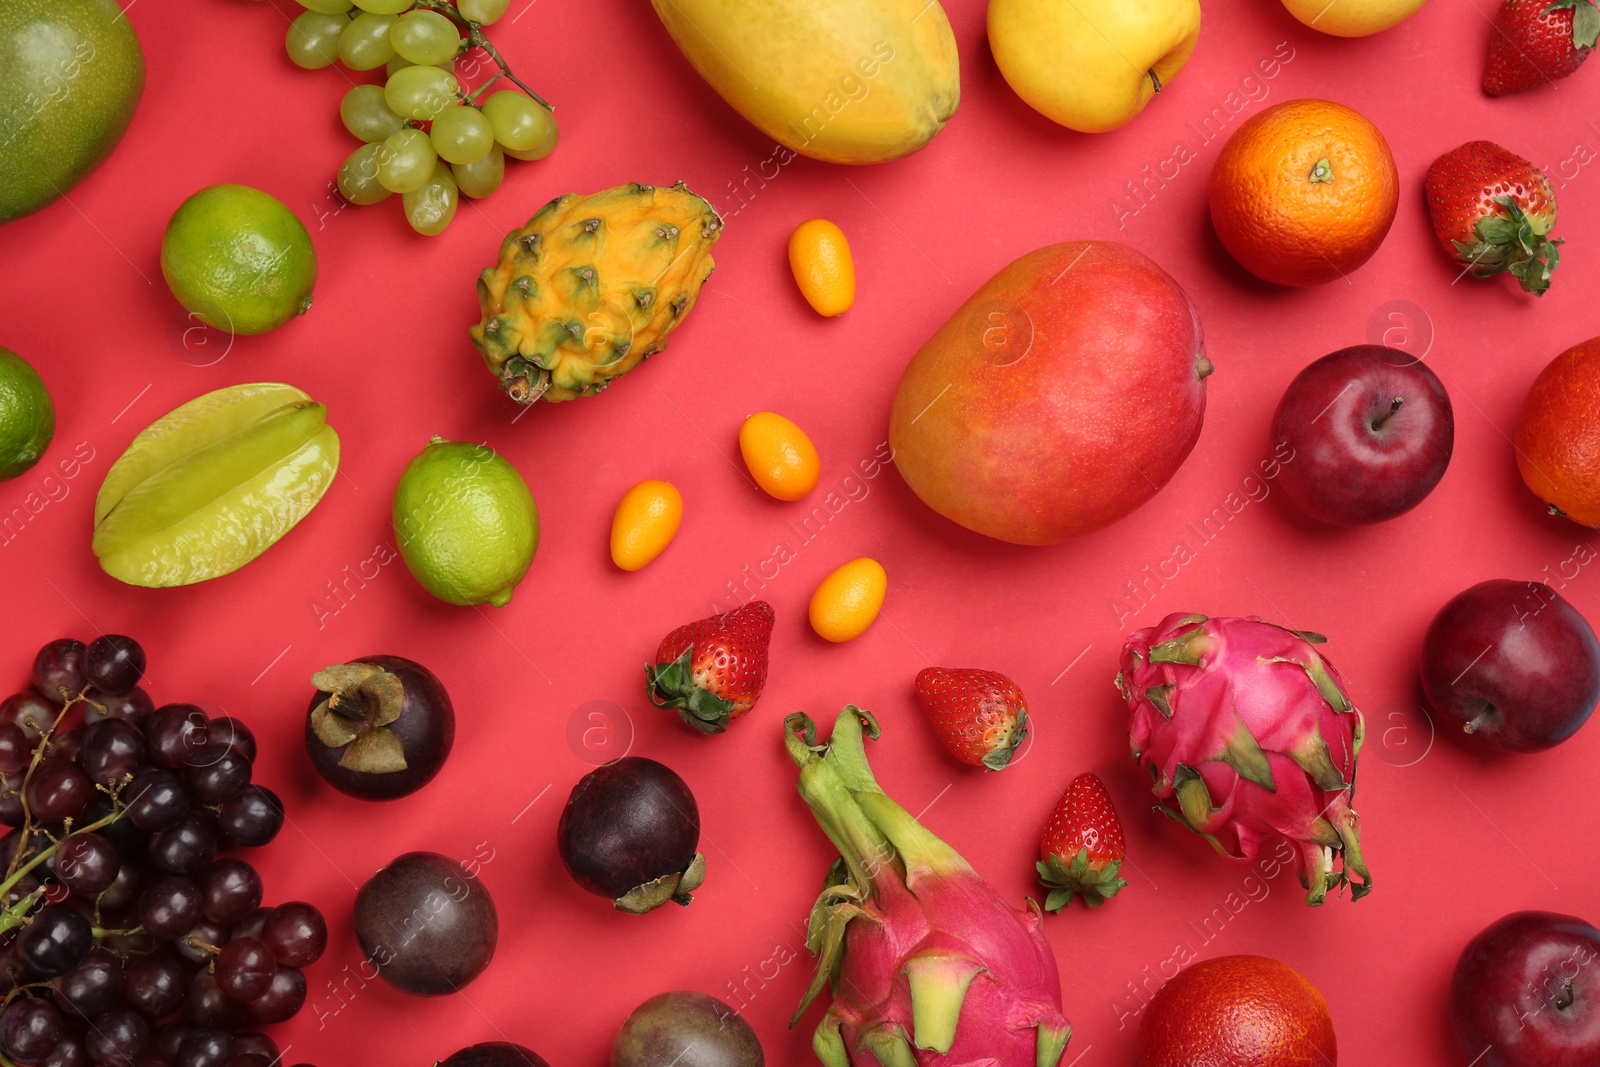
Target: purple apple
(1372,431)
(1526,993)
(1514,664)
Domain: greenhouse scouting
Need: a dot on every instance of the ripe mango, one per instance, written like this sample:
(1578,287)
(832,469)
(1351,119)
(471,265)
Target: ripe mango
(845,81)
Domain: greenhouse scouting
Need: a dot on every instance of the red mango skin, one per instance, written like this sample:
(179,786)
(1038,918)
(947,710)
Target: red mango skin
(1061,396)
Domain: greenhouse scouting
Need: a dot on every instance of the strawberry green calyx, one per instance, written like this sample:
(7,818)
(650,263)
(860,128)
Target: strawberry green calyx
(1585,21)
(1078,877)
(921,955)
(1516,243)
(672,685)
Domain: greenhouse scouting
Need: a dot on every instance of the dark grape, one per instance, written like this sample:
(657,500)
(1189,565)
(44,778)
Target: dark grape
(232,890)
(128,838)
(199,946)
(113,663)
(296,933)
(204,1046)
(251,819)
(218,773)
(227,730)
(185,847)
(11,813)
(124,890)
(66,744)
(30,1028)
(169,907)
(208,1005)
(92,987)
(112,749)
(168,1039)
(174,733)
(26,887)
(118,1038)
(282,999)
(251,1043)
(16,751)
(254,924)
(244,969)
(59,666)
(56,940)
(155,985)
(250,1059)
(70,1051)
(58,790)
(156,800)
(86,863)
(31,713)
(134,706)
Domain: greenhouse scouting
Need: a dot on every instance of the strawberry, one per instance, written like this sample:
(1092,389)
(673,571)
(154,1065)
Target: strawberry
(712,670)
(1082,849)
(979,715)
(1493,211)
(1535,42)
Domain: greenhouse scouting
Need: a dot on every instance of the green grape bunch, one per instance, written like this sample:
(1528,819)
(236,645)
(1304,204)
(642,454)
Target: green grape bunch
(423,136)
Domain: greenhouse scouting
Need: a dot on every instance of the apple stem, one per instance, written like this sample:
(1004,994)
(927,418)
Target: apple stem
(1472,726)
(1377,423)
(1154,80)
(1564,998)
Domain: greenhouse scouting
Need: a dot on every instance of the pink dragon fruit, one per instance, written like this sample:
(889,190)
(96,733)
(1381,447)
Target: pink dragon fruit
(1250,739)
(929,966)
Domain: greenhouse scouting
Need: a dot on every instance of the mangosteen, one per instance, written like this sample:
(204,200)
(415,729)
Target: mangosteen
(685,1029)
(630,831)
(493,1054)
(379,727)
(426,924)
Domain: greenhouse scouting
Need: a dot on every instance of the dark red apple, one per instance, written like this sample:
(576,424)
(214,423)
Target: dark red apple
(1513,663)
(1526,993)
(1371,430)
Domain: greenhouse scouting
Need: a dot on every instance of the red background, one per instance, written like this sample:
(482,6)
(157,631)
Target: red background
(1454,839)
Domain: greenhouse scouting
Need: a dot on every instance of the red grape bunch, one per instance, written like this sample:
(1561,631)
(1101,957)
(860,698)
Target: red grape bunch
(125,940)
(424,135)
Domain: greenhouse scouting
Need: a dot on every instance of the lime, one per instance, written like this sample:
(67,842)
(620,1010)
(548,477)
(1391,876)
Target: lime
(466,523)
(210,486)
(71,74)
(27,417)
(239,260)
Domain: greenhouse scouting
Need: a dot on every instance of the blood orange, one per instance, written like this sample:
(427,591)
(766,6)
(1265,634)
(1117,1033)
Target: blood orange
(1558,434)
(1238,1011)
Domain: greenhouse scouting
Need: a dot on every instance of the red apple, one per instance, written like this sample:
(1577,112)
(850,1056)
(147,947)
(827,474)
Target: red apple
(1057,399)
(1513,663)
(1526,993)
(1371,430)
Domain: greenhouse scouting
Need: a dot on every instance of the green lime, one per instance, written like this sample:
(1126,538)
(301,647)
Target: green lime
(466,523)
(71,74)
(239,260)
(27,417)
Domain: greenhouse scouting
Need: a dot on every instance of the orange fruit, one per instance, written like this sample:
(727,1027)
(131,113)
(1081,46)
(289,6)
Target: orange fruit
(1237,1011)
(781,458)
(1304,192)
(1558,434)
(820,258)
(848,600)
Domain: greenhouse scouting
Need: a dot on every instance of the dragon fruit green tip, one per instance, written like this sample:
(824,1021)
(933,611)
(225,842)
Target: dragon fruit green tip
(1249,738)
(928,965)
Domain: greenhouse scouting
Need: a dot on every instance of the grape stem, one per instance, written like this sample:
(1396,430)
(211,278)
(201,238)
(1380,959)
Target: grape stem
(100,932)
(476,38)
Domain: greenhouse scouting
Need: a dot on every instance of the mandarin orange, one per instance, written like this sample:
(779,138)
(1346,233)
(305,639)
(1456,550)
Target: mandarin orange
(1304,192)
(1237,1011)
(1558,434)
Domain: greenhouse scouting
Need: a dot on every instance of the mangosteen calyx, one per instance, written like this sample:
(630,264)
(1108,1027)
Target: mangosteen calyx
(363,699)
(675,887)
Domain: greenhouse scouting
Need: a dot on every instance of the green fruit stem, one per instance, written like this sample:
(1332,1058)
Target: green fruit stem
(476,38)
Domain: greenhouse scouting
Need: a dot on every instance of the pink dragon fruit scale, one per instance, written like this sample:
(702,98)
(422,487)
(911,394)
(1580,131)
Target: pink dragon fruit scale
(1249,738)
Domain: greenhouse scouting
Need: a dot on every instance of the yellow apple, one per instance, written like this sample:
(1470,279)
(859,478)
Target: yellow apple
(1091,65)
(1352,18)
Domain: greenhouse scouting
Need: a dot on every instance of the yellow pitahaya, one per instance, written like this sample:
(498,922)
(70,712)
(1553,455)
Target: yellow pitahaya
(1250,739)
(930,967)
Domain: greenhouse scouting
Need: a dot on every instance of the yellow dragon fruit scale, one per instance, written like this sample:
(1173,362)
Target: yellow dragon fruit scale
(592,286)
